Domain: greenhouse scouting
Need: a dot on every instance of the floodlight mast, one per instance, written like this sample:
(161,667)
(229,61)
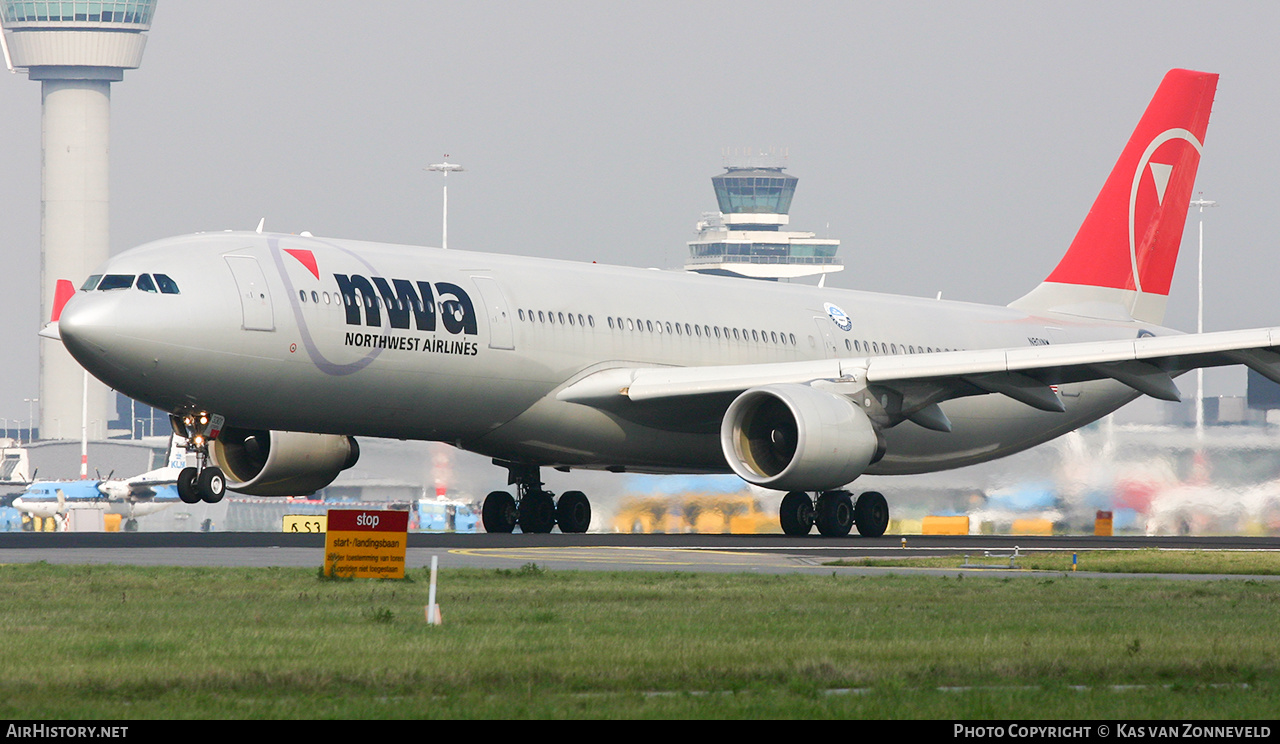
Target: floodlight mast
(446,168)
(1201,203)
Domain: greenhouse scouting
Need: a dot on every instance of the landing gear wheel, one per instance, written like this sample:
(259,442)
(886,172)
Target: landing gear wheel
(187,486)
(573,512)
(131,525)
(796,513)
(871,514)
(834,513)
(211,485)
(499,512)
(537,512)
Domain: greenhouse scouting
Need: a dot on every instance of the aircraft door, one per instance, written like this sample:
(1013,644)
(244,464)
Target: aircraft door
(495,304)
(255,298)
(826,337)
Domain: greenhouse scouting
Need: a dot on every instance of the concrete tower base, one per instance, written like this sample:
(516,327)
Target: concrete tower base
(74,222)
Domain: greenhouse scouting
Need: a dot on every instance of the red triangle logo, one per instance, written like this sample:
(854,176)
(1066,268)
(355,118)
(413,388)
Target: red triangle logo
(306,258)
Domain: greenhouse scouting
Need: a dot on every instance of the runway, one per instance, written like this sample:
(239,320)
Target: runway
(600,552)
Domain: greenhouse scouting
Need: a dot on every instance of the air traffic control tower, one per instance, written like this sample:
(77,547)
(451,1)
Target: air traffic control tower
(76,49)
(746,238)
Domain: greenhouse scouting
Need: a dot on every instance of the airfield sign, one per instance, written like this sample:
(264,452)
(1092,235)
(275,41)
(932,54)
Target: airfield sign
(366,543)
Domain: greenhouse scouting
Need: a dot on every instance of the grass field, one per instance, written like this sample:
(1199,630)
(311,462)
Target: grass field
(172,643)
(1239,562)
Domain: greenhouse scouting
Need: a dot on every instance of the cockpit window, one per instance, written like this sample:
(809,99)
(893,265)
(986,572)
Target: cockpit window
(145,283)
(167,285)
(91,283)
(115,281)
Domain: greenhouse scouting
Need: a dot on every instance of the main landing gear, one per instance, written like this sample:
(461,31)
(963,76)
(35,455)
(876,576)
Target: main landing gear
(536,510)
(204,482)
(835,513)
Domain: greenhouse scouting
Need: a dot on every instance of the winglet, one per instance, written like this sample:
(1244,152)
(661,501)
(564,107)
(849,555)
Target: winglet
(62,291)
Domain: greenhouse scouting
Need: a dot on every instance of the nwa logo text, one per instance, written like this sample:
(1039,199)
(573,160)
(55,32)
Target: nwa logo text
(401,300)
(404,301)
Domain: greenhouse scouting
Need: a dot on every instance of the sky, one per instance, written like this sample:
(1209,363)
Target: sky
(952,147)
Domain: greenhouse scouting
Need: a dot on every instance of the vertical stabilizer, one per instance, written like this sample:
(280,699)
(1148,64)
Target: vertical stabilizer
(1122,259)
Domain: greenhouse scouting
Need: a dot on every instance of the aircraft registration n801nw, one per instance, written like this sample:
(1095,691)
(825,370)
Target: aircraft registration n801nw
(272,351)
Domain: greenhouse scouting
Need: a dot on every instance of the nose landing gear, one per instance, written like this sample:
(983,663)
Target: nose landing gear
(205,481)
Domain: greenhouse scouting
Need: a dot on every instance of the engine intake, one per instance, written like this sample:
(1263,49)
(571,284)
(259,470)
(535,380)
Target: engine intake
(282,463)
(792,437)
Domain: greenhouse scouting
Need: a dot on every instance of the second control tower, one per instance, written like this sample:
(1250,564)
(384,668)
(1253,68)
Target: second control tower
(76,50)
(747,237)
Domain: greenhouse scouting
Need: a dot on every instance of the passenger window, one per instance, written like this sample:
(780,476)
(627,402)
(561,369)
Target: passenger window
(115,281)
(167,285)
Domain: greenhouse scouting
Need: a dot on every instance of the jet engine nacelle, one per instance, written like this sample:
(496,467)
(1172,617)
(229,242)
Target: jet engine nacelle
(792,437)
(282,463)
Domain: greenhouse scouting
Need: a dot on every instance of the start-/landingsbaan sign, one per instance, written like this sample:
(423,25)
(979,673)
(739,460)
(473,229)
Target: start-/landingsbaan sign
(366,543)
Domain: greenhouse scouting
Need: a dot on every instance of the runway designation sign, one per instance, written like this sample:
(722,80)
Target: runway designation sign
(366,543)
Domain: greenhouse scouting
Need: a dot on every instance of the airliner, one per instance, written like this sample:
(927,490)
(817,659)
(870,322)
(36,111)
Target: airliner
(274,351)
(131,498)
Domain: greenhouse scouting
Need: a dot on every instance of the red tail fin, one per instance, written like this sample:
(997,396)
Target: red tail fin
(1130,239)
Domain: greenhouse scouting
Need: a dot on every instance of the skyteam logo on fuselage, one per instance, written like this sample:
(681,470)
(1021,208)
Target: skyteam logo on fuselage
(839,317)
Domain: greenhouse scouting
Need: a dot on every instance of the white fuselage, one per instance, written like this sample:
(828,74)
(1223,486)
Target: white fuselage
(479,361)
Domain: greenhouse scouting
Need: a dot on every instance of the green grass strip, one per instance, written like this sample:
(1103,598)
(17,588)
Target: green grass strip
(173,643)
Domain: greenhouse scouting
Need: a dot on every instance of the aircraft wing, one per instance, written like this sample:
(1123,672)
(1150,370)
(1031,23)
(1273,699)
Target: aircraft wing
(144,486)
(918,382)
(142,490)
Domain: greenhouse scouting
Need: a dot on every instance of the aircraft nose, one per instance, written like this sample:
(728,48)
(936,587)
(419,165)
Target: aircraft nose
(91,332)
(83,327)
